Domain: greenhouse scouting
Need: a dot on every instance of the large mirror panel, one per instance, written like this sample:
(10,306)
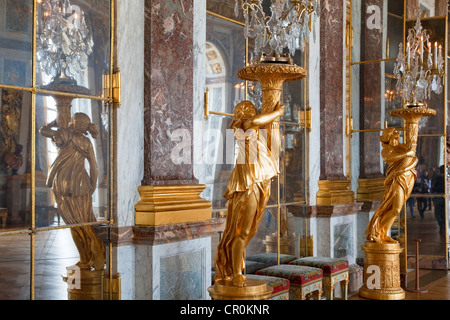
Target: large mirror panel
(73,45)
(60,275)
(72,160)
(16,27)
(15,266)
(375,25)
(426,206)
(437,30)
(15,159)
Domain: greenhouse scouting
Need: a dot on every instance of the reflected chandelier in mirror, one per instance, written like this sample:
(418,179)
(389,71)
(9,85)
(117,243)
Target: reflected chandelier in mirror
(64,41)
(286,27)
(420,69)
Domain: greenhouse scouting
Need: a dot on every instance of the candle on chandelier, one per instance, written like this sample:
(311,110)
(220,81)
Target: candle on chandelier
(440,52)
(409,53)
(435,53)
(421,48)
(429,52)
(236,92)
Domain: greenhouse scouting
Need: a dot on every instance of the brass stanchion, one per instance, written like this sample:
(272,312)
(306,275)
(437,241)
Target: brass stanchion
(417,288)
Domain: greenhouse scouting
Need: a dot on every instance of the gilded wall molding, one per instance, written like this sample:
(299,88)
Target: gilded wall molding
(370,189)
(334,192)
(171,204)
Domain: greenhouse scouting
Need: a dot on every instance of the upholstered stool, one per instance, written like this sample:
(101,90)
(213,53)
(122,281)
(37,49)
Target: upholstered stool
(280,286)
(252,266)
(305,282)
(271,259)
(335,270)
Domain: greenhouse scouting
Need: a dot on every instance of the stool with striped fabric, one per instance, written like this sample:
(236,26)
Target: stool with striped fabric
(271,259)
(305,282)
(252,266)
(335,270)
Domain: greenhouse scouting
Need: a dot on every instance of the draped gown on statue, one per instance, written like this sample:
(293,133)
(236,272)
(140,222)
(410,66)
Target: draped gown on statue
(251,177)
(400,177)
(73,188)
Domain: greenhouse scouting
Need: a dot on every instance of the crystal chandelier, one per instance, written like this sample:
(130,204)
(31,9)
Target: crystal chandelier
(64,41)
(420,69)
(286,27)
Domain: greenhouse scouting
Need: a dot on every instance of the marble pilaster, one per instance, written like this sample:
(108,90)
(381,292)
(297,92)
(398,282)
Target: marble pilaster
(168,92)
(441,8)
(332,90)
(333,185)
(171,236)
(172,47)
(412,9)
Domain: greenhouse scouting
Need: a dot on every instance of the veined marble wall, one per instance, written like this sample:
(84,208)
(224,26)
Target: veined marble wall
(130,131)
(173,271)
(355,97)
(332,86)
(337,237)
(163,90)
(130,115)
(313,138)
(199,87)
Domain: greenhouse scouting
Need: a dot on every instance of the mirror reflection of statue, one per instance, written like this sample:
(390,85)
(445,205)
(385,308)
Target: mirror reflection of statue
(248,189)
(400,178)
(73,186)
(14,160)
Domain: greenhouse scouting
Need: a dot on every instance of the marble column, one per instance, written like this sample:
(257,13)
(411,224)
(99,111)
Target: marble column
(371,179)
(168,91)
(412,9)
(334,217)
(441,8)
(334,188)
(170,194)
(169,115)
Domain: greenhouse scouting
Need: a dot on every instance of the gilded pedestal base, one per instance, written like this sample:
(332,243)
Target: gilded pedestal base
(254,290)
(382,272)
(84,284)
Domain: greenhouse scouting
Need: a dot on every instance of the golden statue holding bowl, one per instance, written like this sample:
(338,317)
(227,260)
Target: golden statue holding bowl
(248,189)
(400,178)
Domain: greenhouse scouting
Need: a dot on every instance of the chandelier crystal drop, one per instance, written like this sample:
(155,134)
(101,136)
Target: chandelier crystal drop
(420,68)
(288,26)
(64,41)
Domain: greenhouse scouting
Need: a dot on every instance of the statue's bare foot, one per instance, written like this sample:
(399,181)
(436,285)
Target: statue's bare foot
(373,238)
(388,239)
(239,280)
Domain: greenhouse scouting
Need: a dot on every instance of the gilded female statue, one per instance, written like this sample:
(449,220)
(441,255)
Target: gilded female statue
(248,189)
(73,186)
(400,178)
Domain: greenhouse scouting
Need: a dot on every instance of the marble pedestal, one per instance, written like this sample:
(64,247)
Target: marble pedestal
(336,231)
(173,271)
